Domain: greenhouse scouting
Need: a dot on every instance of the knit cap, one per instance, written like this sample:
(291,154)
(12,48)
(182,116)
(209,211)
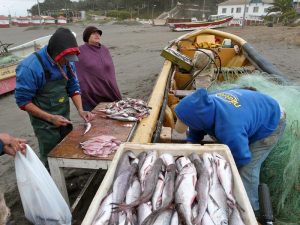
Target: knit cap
(88,31)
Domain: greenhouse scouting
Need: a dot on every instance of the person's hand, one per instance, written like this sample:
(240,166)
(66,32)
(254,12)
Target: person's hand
(86,115)
(59,120)
(12,144)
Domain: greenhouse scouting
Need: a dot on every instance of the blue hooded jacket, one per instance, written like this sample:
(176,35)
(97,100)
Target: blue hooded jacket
(236,117)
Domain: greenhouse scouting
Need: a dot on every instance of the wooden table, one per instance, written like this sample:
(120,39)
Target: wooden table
(68,153)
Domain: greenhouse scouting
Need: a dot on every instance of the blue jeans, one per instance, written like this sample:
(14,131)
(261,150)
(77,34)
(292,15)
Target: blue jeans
(260,151)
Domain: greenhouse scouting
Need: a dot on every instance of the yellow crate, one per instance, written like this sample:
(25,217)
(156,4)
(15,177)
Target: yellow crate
(176,150)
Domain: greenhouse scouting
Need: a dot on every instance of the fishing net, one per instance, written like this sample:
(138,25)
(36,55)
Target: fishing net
(8,59)
(281,170)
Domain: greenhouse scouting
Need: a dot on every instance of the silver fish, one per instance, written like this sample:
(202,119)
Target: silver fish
(104,213)
(157,195)
(225,177)
(147,166)
(150,185)
(202,189)
(168,191)
(185,192)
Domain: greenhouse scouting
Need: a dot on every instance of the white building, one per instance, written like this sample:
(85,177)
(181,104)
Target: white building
(37,20)
(49,20)
(255,10)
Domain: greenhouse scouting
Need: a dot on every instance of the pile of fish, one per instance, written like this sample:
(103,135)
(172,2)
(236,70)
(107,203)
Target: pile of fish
(150,189)
(129,109)
(100,146)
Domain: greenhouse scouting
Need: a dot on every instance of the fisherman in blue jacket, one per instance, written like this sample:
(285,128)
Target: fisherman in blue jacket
(44,82)
(246,120)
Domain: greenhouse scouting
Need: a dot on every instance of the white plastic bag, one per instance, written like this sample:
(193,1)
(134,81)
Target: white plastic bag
(42,202)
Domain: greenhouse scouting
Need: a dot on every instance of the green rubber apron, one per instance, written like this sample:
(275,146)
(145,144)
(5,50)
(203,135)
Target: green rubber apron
(52,98)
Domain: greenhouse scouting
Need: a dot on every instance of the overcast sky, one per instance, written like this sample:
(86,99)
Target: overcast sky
(17,7)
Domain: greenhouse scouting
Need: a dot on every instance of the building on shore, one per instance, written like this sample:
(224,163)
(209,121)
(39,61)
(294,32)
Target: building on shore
(49,20)
(249,11)
(4,21)
(23,21)
(37,20)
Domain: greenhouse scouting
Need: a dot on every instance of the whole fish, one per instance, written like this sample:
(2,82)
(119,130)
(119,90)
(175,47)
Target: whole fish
(104,213)
(157,195)
(202,188)
(150,185)
(120,188)
(168,190)
(133,193)
(217,202)
(185,192)
(147,166)
(225,177)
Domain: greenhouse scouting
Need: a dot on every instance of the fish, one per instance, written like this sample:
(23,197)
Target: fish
(168,190)
(147,166)
(87,126)
(104,212)
(122,118)
(157,195)
(225,177)
(150,184)
(217,202)
(120,188)
(202,188)
(185,192)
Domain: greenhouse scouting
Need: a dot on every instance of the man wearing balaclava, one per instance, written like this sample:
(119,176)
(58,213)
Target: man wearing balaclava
(44,82)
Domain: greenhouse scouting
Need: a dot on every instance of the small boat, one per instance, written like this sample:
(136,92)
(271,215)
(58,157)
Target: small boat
(233,56)
(217,22)
(10,57)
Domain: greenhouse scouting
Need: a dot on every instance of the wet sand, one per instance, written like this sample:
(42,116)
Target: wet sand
(135,50)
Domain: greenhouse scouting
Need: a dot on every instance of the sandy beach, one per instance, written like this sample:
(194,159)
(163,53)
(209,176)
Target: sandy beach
(136,54)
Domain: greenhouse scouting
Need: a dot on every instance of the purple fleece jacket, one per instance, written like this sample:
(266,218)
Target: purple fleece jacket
(96,75)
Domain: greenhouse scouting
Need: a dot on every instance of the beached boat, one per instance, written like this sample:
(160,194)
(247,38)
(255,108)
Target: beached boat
(232,56)
(10,57)
(211,23)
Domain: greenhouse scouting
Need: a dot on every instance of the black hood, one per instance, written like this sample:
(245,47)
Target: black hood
(61,43)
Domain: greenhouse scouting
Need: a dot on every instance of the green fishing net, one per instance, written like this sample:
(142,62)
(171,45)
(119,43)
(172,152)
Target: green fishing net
(281,170)
(8,59)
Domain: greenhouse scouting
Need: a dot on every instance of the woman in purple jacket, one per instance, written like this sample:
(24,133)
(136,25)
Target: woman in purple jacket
(96,72)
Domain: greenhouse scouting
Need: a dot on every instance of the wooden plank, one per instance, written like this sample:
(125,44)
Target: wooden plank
(176,150)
